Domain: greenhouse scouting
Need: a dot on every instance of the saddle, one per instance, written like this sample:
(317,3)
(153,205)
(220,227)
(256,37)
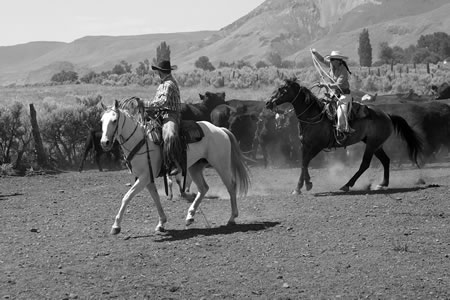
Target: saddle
(357,110)
(189,132)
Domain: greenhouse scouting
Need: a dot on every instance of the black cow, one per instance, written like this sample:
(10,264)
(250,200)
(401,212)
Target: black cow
(431,120)
(287,122)
(243,126)
(273,140)
(441,92)
(246,106)
(221,114)
(202,111)
(93,142)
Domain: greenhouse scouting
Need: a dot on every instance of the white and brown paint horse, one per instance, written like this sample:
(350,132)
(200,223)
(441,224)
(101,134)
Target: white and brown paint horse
(218,148)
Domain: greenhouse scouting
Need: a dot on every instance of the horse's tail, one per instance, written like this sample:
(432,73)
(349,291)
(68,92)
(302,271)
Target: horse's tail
(413,140)
(239,168)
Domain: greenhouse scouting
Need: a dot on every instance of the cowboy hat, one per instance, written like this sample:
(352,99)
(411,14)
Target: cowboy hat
(164,66)
(335,55)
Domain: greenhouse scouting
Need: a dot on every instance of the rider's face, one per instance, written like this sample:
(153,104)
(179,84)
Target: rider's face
(335,62)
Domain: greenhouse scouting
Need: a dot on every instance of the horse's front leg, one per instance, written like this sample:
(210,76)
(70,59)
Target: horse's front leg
(162,216)
(135,189)
(307,155)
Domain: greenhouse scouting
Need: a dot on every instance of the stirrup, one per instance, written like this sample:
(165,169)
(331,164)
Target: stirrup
(349,130)
(174,172)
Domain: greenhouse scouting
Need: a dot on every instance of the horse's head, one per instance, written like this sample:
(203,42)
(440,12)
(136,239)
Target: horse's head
(110,125)
(288,92)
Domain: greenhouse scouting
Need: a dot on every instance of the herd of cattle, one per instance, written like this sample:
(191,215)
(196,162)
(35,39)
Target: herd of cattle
(275,134)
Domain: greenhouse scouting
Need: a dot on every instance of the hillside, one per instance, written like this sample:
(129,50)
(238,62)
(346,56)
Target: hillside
(289,27)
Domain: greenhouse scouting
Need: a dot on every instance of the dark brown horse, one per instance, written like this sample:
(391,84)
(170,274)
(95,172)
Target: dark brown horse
(317,132)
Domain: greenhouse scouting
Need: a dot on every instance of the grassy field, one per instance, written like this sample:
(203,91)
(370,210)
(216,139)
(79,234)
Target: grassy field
(68,93)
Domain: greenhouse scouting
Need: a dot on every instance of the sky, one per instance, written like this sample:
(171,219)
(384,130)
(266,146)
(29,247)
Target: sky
(23,21)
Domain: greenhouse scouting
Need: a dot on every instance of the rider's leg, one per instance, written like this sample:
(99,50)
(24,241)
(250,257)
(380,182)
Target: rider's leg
(172,147)
(342,112)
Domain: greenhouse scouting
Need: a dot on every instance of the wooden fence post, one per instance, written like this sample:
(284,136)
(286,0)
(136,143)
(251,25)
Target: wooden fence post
(39,147)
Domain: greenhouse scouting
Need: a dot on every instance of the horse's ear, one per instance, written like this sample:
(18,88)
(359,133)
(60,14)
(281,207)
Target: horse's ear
(103,106)
(116,104)
(201,96)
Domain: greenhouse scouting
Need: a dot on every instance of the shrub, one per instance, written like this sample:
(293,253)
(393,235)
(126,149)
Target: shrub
(65,77)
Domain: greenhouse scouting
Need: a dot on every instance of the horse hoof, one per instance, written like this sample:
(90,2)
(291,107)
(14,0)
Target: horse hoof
(189,222)
(231,223)
(160,229)
(380,188)
(296,192)
(309,186)
(345,188)
(115,230)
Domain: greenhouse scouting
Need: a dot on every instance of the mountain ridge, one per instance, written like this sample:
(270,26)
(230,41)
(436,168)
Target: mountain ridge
(288,27)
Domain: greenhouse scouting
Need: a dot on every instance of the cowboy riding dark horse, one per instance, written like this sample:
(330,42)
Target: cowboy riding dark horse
(317,132)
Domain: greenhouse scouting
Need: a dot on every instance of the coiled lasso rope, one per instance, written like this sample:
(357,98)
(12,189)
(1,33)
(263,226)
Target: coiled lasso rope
(323,73)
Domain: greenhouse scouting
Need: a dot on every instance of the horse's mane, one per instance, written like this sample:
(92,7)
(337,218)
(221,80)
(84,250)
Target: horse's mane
(309,96)
(129,104)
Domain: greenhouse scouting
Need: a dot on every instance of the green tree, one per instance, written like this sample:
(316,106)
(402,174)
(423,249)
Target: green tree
(162,53)
(204,63)
(65,76)
(121,68)
(261,64)
(386,53)
(143,68)
(438,43)
(365,49)
(89,77)
(398,55)
(118,69)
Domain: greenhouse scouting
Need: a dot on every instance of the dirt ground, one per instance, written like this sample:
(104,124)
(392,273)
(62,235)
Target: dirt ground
(55,241)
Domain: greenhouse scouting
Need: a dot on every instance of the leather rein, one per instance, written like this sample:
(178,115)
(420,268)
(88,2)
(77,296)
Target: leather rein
(123,140)
(321,114)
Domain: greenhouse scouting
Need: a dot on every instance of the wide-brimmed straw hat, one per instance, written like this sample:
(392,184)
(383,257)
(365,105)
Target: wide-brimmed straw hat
(164,66)
(335,55)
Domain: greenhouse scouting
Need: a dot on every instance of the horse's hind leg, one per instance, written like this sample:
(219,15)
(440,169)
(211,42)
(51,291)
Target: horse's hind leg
(196,172)
(365,163)
(186,194)
(385,161)
(227,177)
(135,189)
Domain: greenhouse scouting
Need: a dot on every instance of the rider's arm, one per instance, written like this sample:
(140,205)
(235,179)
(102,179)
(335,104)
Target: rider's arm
(320,57)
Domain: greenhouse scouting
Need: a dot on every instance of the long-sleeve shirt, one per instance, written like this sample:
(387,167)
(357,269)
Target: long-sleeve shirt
(167,97)
(339,75)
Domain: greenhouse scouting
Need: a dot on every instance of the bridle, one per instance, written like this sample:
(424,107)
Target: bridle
(305,110)
(120,138)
